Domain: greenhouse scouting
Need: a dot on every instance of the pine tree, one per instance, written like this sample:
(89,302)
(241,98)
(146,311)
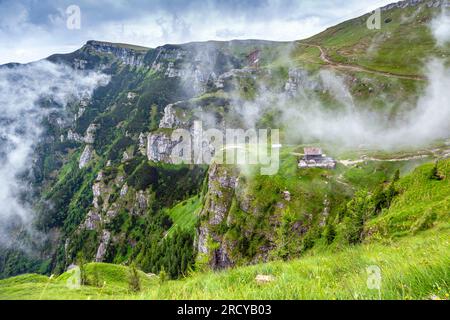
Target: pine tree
(391,192)
(379,199)
(134,281)
(162,275)
(396,175)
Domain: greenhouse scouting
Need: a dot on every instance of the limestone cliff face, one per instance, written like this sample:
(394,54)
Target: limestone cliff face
(110,197)
(171,120)
(196,65)
(160,147)
(173,62)
(222,183)
(234,218)
(159,143)
(86,156)
(126,55)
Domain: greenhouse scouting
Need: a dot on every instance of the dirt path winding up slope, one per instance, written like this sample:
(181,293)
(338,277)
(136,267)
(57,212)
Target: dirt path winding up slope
(338,65)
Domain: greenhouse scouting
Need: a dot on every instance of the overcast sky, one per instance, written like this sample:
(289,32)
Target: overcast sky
(34,29)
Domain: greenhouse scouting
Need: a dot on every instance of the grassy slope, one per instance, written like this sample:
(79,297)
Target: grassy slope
(413,267)
(400,46)
(184,214)
(421,199)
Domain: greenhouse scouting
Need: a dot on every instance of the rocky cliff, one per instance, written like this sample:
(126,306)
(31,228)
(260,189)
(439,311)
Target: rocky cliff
(129,55)
(222,183)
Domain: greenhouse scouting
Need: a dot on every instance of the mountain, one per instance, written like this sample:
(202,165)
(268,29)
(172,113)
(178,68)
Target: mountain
(413,267)
(100,183)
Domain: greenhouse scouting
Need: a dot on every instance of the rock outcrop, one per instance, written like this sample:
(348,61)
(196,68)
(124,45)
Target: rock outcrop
(104,241)
(126,55)
(195,65)
(74,136)
(222,183)
(160,147)
(86,156)
(170,119)
(89,137)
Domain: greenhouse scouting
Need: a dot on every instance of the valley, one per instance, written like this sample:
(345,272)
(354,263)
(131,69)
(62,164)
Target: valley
(112,199)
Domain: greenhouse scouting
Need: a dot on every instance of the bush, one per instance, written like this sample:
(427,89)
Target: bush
(356,212)
(434,174)
(134,282)
(162,275)
(94,279)
(329,233)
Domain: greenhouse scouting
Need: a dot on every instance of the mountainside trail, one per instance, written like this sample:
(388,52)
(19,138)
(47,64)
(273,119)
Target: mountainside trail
(107,183)
(337,65)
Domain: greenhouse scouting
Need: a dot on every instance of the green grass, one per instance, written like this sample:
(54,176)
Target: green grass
(112,282)
(412,268)
(185,214)
(388,49)
(407,243)
(421,201)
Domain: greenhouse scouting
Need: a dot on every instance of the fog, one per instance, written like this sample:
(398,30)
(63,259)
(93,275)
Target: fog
(427,121)
(306,119)
(23,89)
(440,27)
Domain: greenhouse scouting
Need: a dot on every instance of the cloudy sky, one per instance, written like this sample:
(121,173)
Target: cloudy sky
(34,29)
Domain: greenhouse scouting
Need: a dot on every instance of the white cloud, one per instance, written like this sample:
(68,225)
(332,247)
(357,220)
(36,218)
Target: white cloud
(21,90)
(440,26)
(25,38)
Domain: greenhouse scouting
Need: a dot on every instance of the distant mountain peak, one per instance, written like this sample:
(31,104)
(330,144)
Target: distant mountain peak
(104,44)
(413,3)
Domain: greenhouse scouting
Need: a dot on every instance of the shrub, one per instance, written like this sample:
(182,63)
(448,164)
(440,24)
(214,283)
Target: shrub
(329,233)
(357,211)
(162,275)
(81,262)
(94,279)
(434,174)
(134,282)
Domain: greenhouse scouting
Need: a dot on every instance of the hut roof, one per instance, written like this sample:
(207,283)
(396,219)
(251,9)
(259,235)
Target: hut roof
(313,151)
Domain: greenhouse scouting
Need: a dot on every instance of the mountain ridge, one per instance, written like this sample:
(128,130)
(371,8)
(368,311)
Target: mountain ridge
(395,5)
(107,190)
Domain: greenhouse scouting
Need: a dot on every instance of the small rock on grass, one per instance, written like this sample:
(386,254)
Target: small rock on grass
(262,279)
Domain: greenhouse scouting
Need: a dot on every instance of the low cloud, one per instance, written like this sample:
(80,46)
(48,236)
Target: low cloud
(440,27)
(429,120)
(32,30)
(304,117)
(22,90)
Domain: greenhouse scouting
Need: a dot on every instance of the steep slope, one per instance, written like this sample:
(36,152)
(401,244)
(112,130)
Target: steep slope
(108,190)
(400,47)
(412,267)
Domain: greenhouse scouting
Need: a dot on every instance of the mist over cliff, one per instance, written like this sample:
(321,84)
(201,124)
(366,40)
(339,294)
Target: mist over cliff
(28,95)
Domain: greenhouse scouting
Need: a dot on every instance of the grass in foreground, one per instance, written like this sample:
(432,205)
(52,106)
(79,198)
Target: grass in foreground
(414,267)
